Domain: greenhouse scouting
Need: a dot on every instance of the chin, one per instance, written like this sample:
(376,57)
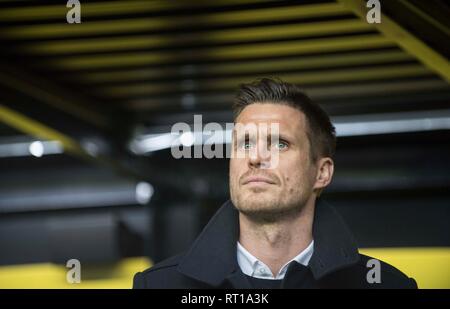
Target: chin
(257,202)
(265,206)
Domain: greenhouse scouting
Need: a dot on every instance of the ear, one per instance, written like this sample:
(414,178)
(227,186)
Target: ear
(325,170)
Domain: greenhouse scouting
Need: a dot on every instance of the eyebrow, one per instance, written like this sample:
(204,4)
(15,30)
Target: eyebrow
(269,136)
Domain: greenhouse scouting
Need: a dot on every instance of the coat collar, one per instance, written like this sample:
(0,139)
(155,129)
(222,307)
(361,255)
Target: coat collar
(212,257)
(334,245)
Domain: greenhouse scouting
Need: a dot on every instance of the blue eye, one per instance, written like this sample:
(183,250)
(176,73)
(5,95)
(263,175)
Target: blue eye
(246,145)
(281,145)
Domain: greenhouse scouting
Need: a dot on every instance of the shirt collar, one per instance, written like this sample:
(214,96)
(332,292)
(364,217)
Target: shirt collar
(251,266)
(212,257)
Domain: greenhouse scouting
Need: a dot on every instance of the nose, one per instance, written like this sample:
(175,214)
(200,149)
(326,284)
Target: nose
(259,156)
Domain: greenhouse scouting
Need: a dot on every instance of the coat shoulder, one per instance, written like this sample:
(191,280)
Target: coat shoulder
(390,276)
(165,275)
(155,276)
(362,275)
(167,263)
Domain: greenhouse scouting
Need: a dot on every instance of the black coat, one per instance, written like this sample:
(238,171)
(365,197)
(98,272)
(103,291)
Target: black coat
(211,262)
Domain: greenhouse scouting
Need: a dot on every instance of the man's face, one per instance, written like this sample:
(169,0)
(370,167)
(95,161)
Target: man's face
(268,193)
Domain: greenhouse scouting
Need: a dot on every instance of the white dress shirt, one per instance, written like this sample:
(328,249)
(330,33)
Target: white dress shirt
(253,267)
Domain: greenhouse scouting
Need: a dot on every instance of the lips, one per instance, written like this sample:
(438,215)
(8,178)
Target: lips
(257,179)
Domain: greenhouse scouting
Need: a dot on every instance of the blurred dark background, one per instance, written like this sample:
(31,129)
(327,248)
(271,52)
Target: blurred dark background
(85,170)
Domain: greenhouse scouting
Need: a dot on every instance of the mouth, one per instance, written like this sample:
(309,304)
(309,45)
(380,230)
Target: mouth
(258,180)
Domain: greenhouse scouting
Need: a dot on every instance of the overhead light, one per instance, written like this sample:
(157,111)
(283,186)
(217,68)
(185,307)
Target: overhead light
(35,148)
(144,192)
(354,125)
(151,142)
(80,193)
(405,122)
(187,139)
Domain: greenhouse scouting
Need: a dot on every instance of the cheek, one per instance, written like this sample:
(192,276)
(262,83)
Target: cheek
(290,183)
(235,168)
(294,174)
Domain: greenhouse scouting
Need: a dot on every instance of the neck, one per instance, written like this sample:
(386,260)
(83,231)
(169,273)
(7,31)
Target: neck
(276,243)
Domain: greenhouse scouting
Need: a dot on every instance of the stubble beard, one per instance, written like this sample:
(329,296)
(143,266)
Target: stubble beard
(264,207)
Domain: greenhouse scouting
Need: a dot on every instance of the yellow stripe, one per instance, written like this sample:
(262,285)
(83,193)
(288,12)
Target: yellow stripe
(106,8)
(327,61)
(46,93)
(35,128)
(31,276)
(212,37)
(321,92)
(85,28)
(376,88)
(139,24)
(427,17)
(228,52)
(430,267)
(32,127)
(300,78)
(405,40)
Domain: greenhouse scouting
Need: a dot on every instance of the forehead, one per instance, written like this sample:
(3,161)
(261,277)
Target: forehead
(290,119)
